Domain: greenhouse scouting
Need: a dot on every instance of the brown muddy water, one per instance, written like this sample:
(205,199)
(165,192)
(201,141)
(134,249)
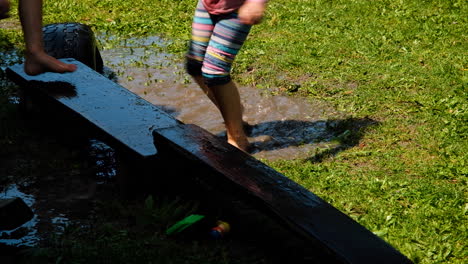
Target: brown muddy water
(282,127)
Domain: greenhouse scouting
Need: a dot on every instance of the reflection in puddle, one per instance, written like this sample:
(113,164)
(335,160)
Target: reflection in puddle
(9,58)
(14,99)
(104,157)
(59,200)
(284,127)
(60,222)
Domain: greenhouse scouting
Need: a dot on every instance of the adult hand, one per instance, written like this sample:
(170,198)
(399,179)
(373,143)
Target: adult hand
(251,13)
(40,62)
(4,8)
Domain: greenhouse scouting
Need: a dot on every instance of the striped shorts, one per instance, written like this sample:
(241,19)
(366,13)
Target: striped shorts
(215,42)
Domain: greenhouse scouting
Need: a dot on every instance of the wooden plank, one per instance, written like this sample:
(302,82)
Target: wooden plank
(115,110)
(305,213)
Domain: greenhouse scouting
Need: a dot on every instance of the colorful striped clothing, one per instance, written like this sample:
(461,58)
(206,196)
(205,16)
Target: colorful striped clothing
(216,40)
(218,7)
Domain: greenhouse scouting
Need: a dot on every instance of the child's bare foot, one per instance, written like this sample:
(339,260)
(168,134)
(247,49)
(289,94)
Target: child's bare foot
(239,142)
(39,63)
(242,146)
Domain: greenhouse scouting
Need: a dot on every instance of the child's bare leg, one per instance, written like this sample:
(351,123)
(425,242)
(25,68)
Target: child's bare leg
(228,99)
(208,91)
(37,61)
(4,8)
(199,80)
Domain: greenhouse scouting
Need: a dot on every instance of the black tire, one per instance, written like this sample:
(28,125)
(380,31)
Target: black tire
(73,40)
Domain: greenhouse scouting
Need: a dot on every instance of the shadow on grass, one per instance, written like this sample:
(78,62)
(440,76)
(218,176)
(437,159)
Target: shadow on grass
(325,137)
(348,133)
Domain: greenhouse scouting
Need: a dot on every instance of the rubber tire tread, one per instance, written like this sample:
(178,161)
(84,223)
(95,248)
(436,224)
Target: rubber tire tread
(72,40)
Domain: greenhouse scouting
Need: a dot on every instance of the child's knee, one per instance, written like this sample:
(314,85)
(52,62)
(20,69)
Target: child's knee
(195,68)
(215,80)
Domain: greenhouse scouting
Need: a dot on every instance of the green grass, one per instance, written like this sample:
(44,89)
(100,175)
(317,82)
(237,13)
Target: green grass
(400,63)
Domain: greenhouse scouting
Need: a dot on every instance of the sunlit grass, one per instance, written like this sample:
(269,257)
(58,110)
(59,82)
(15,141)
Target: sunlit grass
(402,64)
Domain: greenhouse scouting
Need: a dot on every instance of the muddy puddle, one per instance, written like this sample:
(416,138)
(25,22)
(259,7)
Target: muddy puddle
(282,127)
(27,234)
(62,198)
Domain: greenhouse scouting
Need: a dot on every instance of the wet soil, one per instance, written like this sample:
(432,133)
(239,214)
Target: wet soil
(9,24)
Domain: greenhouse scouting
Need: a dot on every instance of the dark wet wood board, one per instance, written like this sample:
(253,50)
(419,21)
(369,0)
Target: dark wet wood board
(296,206)
(115,110)
(140,126)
